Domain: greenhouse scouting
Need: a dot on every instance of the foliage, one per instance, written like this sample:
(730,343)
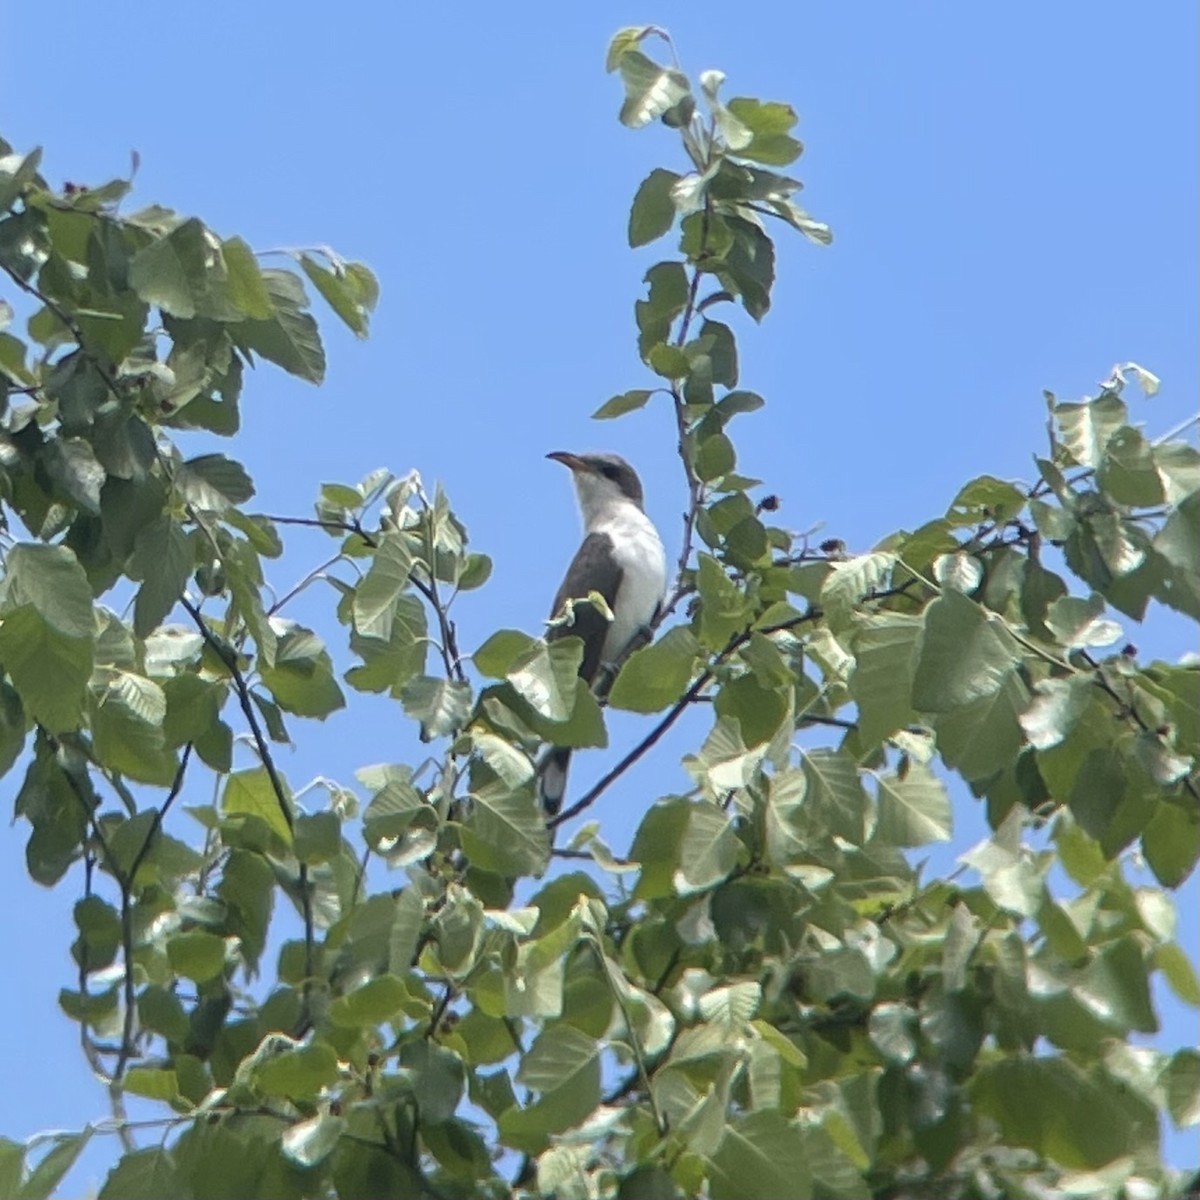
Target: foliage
(763,998)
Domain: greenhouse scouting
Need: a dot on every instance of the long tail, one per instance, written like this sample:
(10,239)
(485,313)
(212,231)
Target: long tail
(552,778)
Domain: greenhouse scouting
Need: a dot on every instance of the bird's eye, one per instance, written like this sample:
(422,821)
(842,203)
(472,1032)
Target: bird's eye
(608,471)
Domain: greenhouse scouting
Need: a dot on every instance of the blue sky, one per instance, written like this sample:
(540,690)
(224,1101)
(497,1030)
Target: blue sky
(1013,192)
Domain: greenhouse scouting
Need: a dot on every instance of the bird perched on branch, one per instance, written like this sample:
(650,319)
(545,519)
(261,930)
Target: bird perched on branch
(622,559)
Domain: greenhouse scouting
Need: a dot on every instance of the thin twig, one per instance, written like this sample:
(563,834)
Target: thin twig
(836,722)
(451,658)
(447,998)
(695,485)
(313,575)
(660,1120)
(68,322)
(1129,710)
(674,713)
(227,656)
(160,813)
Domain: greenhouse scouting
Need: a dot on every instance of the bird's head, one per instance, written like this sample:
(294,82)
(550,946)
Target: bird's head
(601,480)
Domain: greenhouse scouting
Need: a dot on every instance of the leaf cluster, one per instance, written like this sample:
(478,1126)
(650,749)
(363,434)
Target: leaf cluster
(763,996)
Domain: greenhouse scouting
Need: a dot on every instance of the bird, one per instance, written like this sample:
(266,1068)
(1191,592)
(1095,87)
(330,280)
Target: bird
(622,558)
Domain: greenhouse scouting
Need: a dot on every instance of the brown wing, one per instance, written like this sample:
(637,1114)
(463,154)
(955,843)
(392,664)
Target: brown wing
(593,569)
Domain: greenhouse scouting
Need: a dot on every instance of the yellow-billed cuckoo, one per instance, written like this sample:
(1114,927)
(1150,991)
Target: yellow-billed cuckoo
(622,558)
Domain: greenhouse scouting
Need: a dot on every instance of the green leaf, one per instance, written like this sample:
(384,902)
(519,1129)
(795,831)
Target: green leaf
(1009,875)
(12,727)
(376,1001)
(1178,466)
(12,1165)
(405,933)
(836,793)
(476,571)
(545,677)
(501,652)
(849,583)
(72,464)
(583,728)
(343,293)
(1171,843)
(49,669)
(892,1030)
(650,90)
(152,1082)
(318,837)
(506,831)
(250,793)
(769,123)
(885,649)
(161,1011)
(247,290)
(163,560)
(618,406)
(127,728)
(962,572)
(715,457)
(747,268)
(709,849)
(656,675)
(914,807)
(761,1156)
(1036,1102)
(622,42)
(388,664)
(438,1079)
(985,499)
(653,211)
(1127,473)
(1057,706)
(1160,761)
(395,806)
(16,173)
(668,361)
(1079,623)
(723,608)
(440,705)
(301,677)
(247,888)
(1086,428)
(213,482)
(1181,1082)
(196,954)
(289,338)
(375,597)
(59,1159)
(562,1056)
(51,580)
(192,707)
(563,1065)
(147,1174)
(759,711)
(183,275)
(309,1143)
(984,736)
(298,1074)
(1060,931)
(966,654)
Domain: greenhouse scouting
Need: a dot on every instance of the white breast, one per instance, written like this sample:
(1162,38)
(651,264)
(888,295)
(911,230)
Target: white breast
(639,551)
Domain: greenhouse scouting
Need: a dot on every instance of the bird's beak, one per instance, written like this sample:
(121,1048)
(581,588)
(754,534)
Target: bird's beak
(569,460)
